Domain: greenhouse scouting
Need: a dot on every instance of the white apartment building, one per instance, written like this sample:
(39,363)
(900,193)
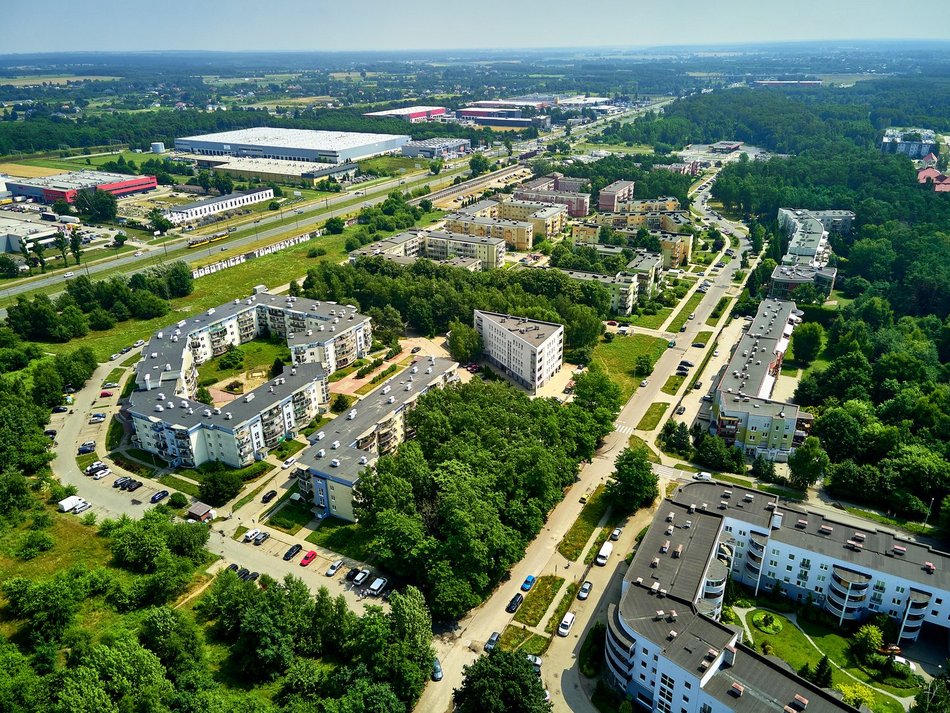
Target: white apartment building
(218,204)
(529,351)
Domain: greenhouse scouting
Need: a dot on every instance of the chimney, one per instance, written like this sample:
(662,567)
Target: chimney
(729,656)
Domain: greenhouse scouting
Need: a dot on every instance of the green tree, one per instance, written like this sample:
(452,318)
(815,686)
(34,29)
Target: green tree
(806,341)
(174,638)
(435,166)
(643,365)
(633,484)
(867,641)
(277,368)
(218,487)
(934,698)
(807,464)
(856,694)
(39,252)
(61,243)
(501,682)
(61,207)
(821,676)
(763,469)
(204,396)
(335,225)
(8,267)
(478,165)
(465,343)
(158,222)
(340,403)
(75,245)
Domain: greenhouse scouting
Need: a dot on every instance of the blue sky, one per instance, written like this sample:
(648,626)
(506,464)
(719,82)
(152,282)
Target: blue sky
(326,25)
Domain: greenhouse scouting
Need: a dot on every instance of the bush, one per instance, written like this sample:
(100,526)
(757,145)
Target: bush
(177,500)
(33,544)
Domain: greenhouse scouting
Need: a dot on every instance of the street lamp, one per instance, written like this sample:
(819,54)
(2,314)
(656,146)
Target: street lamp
(929,509)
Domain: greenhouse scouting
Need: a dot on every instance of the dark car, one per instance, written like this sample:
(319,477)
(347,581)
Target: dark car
(351,575)
(50,432)
(492,641)
(125,350)
(87,448)
(683,328)
(292,552)
(514,603)
(261,538)
(699,345)
(60,409)
(243,572)
(159,496)
(253,576)
(415,350)
(120,481)
(135,485)
(436,670)
(232,567)
(268,496)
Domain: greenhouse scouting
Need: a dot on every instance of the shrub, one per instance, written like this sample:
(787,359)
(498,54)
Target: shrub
(177,500)
(33,544)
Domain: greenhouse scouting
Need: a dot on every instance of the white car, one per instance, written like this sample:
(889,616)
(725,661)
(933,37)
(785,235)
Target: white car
(361,577)
(139,343)
(643,383)
(289,462)
(102,474)
(251,534)
(715,352)
(68,275)
(114,357)
(909,664)
(81,508)
(334,568)
(585,591)
(139,253)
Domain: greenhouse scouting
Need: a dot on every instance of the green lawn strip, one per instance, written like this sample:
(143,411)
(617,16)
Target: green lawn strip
(647,321)
(598,543)
(763,487)
(619,358)
(575,539)
(513,637)
(685,311)
(178,484)
(113,376)
(133,466)
(651,418)
(347,538)
(591,657)
(562,607)
(286,448)
(239,533)
(132,360)
(146,457)
(673,385)
(703,337)
(536,645)
(637,442)
(251,472)
(918,528)
(86,460)
(537,601)
(347,370)
(386,373)
(717,312)
(291,517)
(114,434)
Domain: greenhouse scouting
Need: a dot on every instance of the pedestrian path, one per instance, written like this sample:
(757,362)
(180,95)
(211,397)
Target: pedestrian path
(629,430)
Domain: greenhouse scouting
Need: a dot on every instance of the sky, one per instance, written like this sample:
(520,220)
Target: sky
(332,25)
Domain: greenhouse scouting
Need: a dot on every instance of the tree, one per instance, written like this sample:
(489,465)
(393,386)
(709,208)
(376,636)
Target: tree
(806,341)
(277,368)
(633,484)
(75,245)
(856,694)
(501,682)
(61,207)
(935,698)
(340,403)
(465,343)
(478,165)
(821,676)
(173,637)
(202,395)
(8,267)
(158,222)
(807,464)
(61,243)
(218,487)
(177,500)
(867,641)
(425,205)
(335,225)
(98,205)
(643,365)
(763,469)
(39,252)
(435,166)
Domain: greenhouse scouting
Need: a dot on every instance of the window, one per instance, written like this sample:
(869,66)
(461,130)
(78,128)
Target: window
(900,590)
(705,708)
(773,563)
(788,568)
(791,557)
(774,550)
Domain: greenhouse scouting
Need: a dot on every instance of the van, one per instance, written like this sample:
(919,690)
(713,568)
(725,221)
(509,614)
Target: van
(604,554)
(377,587)
(564,628)
(703,475)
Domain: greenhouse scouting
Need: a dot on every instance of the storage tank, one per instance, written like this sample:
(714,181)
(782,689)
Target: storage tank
(158,147)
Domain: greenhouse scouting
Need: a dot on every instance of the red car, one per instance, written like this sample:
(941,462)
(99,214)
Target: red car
(105,394)
(308,558)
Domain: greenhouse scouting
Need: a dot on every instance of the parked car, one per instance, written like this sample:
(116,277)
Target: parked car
(528,583)
(699,345)
(87,447)
(268,496)
(68,275)
(125,350)
(680,410)
(251,534)
(361,577)
(289,462)
(683,328)
(514,603)
(671,343)
(114,356)
(492,641)
(698,385)
(100,474)
(436,670)
(60,409)
(615,535)
(159,496)
(643,383)
(82,507)
(138,343)
(584,591)
(564,628)
(105,394)
(134,485)
(685,364)
(715,352)
(351,575)
(253,576)
(94,467)
(261,539)
(292,552)
(308,558)
(703,475)
(111,385)
(120,481)
(415,350)
(243,573)
(334,568)
(232,568)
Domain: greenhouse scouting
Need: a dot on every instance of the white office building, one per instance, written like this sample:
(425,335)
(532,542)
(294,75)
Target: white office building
(529,351)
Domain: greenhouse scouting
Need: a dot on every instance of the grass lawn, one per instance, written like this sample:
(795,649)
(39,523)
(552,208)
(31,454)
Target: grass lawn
(248,498)
(617,148)
(562,607)
(704,337)
(251,472)
(520,639)
(347,538)
(575,539)
(114,434)
(133,466)
(132,360)
(685,311)
(394,165)
(287,448)
(537,601)
(619,358)
(763,487)
(316,425)
(717,311)
(918,528)
(598,543)
(292,516)
(178,484)
(114,375)
(259,353)
(673,385)
(653,415)
(637,442)
(648,321)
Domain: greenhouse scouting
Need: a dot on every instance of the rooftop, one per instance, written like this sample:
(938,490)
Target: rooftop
(406,111)
(438,143)
(462,218)
(296,138)
(644,261)
(532,331)
(617,186)
(216,199)
(74,180)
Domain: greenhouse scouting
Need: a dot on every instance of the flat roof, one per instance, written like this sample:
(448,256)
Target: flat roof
(618,186)
(463,238)
(535,331)
(26,228)
(461,218)
(296,138)
(74,180)
(438,143)
(405,111)
(216,199)
(643,261)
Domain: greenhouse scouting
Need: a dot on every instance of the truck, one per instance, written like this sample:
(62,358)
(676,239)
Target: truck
(69,219)
(67,504)
(604,554)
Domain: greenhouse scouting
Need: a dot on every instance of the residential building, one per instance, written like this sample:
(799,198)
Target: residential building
(647,267)
(529,351)
(437,148)
(663,204)
(219,204)
(517,233)
(665,646)
(676,248)
(671,221)
(623,287)
(66,186)
(330,468)
(578,204)
(293,144)
(412,114)
(456,249)
(809,249)
(914,143)
(743,412)
(684,169)
(930,176)
(547,219)
(614,194)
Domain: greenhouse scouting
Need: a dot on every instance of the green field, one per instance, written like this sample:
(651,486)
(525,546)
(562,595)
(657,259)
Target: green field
(653,415)
(259,353)
(617,148)
(347,538)
(673,384)
(637,442)
(648,321)
(619,358)
(393,165)
(685,311)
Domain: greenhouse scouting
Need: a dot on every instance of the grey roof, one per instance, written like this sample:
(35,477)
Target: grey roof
(536,334)
(216,199)
(617,186)
(461,218)
(73,180)
(189,414)
(370,411)
(586,276)
(802,273)
(296,138)
(477,207)
(437,143)
(464,238)
(644,261)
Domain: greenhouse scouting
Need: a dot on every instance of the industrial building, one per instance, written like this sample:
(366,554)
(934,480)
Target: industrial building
(14,232)
(412,114)
(529,351)
(276,170)
(293,144)
(666,647)
(725,147)
(218,204)
(330,468)
(437,148)
(914,143)
(613,195)
(167,421)
(65,186)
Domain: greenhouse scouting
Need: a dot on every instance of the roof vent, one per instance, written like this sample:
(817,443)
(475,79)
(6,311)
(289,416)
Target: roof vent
(826,529)
(217,410)
(655,563)
(228,416)
(671,635)
(655,588)
(335,445)
(802,522)
(363,460)
(930,567)
(321,453)
(334,463)
(737,689)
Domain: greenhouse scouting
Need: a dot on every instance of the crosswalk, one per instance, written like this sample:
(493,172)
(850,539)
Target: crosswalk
(628,430)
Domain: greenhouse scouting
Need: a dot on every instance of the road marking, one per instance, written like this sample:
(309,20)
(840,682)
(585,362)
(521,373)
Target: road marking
(624,429)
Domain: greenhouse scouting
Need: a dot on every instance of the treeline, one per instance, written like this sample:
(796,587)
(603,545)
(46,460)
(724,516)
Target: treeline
(99,305)
(427,296)
(456,506)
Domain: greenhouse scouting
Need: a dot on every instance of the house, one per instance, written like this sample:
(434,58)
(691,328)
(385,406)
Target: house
(200,512)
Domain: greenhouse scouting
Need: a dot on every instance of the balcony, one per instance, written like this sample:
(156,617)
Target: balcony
(855,581)
(753,568)
(850,613)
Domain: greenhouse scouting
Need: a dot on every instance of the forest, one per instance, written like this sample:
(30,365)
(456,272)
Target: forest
(456,506)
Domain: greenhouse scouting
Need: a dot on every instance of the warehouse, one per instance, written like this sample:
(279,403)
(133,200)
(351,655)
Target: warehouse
(65,186)
(412,114)
(436,148)
(293,144)
(218,204)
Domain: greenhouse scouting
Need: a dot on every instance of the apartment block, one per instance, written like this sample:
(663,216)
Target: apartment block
(647,268)
(529,351)
(915,143)
(809,249)
(623,287)
(665,646)
(470,252)
(547,219)
(613,195)
(663,204)
(331,466)
(517,233)
(578,204)
(671,221)
(743,412)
